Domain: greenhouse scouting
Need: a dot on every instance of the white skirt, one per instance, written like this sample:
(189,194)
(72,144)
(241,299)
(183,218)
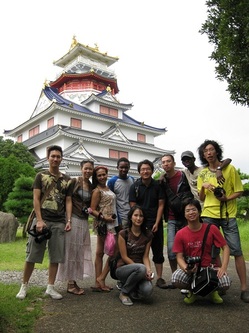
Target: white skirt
(78,253)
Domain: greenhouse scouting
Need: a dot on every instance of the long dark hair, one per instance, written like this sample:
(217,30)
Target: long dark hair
(217,147)
(130,213)
(94,176)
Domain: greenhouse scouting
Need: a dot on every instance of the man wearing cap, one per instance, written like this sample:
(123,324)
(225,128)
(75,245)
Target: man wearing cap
(192,171)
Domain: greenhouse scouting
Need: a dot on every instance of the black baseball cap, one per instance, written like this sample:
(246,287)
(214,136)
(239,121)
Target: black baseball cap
(187,153)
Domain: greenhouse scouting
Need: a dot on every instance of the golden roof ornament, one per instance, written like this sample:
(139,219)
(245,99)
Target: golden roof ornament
(74,42)
(108,89)
(46,84)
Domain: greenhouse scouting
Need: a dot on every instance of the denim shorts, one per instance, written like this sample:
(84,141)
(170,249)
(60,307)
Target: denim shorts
(231,233)
(56,245)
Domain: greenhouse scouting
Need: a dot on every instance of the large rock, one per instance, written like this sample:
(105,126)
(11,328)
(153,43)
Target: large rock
(8,227)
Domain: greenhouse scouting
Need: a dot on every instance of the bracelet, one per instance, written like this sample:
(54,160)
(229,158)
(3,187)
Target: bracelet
(69,220)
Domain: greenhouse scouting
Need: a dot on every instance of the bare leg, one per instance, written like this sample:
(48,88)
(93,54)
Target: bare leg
(52,271)
(159,270)
(241,271)
(99,259)
(101,278)
(28,270)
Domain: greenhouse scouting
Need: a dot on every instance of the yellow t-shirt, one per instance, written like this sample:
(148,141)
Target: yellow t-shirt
(231,185)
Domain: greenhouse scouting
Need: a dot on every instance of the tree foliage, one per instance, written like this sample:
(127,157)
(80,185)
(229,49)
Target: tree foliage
(227,27)
(10,170)
(19,150)
(15,161)
(20,200)
(243,202)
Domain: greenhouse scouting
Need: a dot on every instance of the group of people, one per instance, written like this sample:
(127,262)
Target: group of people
(133,211)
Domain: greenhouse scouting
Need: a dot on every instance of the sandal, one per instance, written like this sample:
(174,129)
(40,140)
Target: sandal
(101,289)
(73,288)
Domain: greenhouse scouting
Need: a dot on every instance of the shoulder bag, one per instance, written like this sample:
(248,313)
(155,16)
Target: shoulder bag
(205,280)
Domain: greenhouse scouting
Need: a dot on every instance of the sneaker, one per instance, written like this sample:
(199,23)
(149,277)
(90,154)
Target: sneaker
(161,283)
(119,285)
(190,298)
(215,298)
(53,293)
(184,291)
(23,291)
(244,296)
(125,300)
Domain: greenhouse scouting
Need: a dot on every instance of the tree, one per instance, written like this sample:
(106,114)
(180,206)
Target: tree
(20,200)
(227,27)
(243,201)
(10,170)
(19,150)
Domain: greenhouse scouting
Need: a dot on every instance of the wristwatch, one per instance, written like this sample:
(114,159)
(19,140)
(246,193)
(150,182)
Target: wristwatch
(219,167)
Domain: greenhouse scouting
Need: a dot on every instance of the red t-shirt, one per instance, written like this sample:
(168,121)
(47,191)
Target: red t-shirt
(189,242)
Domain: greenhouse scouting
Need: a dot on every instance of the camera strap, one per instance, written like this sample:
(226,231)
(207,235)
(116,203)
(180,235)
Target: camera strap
(203,246)
(221,207)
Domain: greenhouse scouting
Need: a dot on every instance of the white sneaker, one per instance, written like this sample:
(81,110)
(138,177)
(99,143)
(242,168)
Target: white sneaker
(184,291)
(53,293)
(119,285)
(23,291)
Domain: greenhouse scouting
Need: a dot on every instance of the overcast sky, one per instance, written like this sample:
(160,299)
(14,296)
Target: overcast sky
(163,69)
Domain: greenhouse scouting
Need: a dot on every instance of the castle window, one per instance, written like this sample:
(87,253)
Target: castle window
(108,111)
(117,154)
(77,123)
(141,137)
(19,138)
(50,122)
(33,131)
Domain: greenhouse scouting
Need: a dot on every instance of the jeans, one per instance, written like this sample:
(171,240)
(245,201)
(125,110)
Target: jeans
(172,227)
(230,231)
(133,278)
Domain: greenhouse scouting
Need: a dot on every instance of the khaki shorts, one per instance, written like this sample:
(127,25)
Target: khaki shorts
(56,245)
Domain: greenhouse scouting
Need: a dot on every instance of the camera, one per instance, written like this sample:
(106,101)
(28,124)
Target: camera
(85,210)
(40,236)
(191,261)
(219,192)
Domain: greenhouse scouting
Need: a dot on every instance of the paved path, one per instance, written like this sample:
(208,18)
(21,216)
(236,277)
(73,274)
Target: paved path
(166,312)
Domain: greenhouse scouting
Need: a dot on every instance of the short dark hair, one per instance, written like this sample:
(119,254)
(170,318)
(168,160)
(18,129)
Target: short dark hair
(86,161)
(193,202)
(123,159)
(170,155)
(54,147)
(145,162)
(217,147)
